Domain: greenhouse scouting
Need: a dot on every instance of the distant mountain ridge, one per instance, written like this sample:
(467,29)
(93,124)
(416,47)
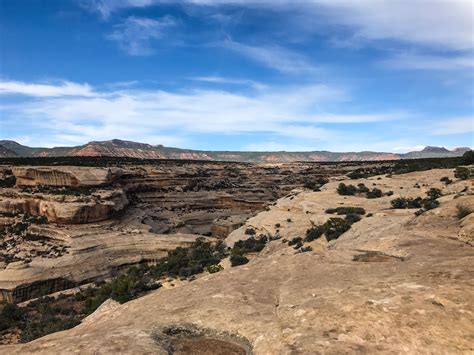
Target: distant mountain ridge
(121,148)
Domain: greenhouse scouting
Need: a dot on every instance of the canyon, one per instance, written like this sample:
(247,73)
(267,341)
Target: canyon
(407,270)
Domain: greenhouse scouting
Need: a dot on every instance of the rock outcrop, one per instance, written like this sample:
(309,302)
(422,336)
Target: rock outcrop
(65,176)
(66,209)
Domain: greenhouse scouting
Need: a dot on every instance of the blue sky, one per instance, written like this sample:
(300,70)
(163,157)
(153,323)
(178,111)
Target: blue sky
(292,75)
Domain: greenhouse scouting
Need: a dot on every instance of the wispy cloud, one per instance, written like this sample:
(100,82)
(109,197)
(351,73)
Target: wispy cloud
(456,125)
(232,81)
(274,57)
(63,88)
(292,112)
(429,62)
(106,7)
(440,23)
(135,35)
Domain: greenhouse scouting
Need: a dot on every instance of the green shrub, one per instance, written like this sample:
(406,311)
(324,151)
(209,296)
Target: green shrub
(236,260)
(334,227)
(353,218)
(462,173)
(346,190)
(314,233)
(295,241)
(404,202)
(463,211)
(375,193)
(429,204)
(434,193)
(361,188)
(250,231)
(249,245)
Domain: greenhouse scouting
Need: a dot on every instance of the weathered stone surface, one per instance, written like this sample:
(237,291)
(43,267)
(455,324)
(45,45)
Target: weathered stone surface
(69,176)
(66,209)
(321,301)
(222,227)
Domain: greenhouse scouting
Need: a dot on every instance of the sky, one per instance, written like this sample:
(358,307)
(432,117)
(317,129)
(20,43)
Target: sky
(295,75)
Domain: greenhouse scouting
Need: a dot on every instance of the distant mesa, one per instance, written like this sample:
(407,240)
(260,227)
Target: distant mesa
(129,149)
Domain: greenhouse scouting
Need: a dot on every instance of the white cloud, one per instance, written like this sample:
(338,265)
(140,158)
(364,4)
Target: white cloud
(427,62)
(274,57)
(64,88)
(136,34)
(457,125)
(292,112)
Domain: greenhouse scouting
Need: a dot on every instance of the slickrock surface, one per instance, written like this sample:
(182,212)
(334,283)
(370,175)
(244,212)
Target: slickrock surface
(394,283)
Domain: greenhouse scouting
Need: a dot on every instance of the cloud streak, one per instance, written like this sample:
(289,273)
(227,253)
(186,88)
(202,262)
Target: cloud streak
(292,112)
(135,35)
(64,88)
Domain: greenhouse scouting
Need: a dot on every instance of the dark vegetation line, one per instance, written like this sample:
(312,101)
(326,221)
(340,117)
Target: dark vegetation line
(397,166)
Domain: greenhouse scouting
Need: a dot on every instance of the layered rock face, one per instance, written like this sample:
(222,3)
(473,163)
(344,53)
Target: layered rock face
(66,210)
(65,176)
(395,282)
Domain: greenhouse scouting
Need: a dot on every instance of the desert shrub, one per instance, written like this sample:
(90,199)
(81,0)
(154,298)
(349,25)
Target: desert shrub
(8,181)
(374,193)
(389,193)
(446,180)
(277,225)
(212,269)
(468,157)
(361,188)
(346,190)
(11,314)
(334,227)
(433,193)
(352,218)
(46,325)
(345,210)
(404,202)
(311,185)
(295,241)
(249,245)
(429,204)
(463,211)
(314,233)
(250,231)
(462,173)
(316,184)
(236,260)
(18,228)
(358,174)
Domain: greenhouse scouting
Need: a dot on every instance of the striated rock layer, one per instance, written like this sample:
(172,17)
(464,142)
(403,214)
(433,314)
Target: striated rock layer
(65,176)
